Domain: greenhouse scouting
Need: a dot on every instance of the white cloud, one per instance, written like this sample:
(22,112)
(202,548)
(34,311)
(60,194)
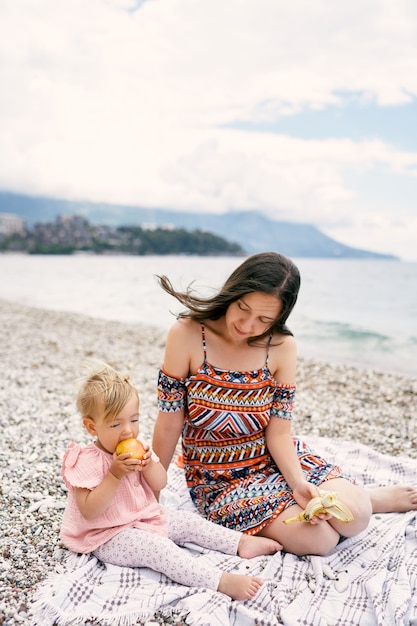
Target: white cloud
(103,102)
(373,231)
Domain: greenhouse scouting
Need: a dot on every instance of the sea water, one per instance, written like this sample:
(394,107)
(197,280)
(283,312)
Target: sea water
(356,312)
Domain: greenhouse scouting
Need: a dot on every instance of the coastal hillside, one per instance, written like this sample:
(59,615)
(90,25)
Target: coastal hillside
(252,230)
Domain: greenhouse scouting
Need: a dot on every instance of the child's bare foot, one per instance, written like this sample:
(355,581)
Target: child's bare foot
(255,545)
(238,586)
(393,499)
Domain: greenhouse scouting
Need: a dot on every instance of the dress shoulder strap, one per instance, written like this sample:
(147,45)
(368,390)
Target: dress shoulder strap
(267,349)
(203,338)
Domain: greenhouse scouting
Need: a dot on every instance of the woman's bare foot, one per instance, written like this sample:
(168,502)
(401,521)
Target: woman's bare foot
(255,545)
(238,586)
(393,499)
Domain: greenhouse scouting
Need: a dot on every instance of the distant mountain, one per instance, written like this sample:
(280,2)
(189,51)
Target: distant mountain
(253,230)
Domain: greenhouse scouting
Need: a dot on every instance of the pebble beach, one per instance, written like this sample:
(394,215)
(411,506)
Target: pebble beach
(42,354)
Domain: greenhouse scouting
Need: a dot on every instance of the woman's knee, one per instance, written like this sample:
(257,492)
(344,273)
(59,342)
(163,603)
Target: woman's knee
(303,538)
(361,509)
(318,539)
(357,500)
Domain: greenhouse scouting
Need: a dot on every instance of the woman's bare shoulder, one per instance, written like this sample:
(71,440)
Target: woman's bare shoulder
(283,358)
(183,329)
(288,342)
(183,347)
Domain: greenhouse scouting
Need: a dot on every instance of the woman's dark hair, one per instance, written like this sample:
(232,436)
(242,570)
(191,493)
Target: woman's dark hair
(267,272)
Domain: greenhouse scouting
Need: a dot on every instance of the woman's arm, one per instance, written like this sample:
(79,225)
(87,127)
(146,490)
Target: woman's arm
(279,440)
(167,431)
(281,447)
(177,357)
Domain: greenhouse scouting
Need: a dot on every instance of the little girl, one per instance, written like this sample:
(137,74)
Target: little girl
(112,510)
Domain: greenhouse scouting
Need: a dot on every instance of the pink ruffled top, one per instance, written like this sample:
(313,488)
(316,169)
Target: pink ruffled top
(134,504)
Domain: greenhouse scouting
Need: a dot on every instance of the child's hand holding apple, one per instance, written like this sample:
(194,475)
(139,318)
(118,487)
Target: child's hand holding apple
(130,455)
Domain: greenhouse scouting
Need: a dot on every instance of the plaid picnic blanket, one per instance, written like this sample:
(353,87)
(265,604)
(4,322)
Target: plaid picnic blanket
(368,580)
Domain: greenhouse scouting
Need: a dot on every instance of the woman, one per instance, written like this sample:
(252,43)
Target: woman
(227,386)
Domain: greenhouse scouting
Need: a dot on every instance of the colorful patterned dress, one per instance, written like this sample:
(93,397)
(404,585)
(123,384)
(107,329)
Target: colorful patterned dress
(231,476)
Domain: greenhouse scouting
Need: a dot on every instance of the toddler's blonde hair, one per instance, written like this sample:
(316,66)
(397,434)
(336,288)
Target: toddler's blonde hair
(104,392)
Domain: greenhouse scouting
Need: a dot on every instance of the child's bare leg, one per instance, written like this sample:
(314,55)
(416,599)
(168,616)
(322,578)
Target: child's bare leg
(238,586)
(393,498)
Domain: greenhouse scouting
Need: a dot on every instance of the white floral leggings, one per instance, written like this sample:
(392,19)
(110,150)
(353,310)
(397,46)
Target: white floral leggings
(138,548)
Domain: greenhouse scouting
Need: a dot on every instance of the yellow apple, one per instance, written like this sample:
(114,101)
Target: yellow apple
(132,445)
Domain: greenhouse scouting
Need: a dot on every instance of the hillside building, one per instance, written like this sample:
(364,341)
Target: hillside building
(11,224)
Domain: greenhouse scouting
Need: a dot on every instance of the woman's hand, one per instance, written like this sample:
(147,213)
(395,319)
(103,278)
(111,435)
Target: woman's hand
(303,493)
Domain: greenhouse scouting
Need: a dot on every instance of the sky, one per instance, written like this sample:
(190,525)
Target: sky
(306,111)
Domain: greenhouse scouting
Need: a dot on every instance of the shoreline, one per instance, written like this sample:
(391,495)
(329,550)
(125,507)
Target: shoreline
(42,353)
(372,331)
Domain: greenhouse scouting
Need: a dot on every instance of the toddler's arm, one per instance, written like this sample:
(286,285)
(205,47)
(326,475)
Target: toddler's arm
(154,473)
(93,502)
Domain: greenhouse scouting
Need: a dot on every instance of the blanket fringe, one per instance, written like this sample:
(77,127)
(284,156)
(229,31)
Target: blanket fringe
(42,614)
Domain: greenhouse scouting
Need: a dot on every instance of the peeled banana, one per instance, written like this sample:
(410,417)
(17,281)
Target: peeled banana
(326,502)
